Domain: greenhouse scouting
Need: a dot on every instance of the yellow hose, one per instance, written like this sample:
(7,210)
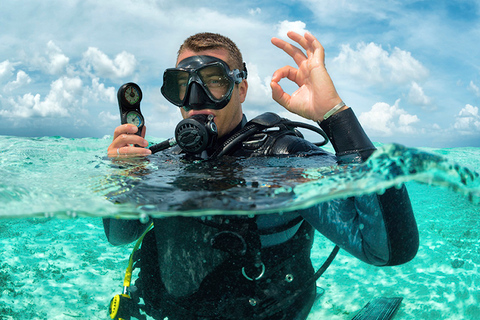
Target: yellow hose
(128,272)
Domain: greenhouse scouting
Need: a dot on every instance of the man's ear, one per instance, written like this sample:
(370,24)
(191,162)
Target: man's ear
(242,90)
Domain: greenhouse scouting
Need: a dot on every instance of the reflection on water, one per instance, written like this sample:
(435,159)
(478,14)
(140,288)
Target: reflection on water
(64,268)
(167,186)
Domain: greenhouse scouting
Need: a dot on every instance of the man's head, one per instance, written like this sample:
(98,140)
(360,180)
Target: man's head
(213,41)
(218,46)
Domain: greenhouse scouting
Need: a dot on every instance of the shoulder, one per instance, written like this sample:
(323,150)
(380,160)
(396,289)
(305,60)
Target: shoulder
(280,144)
(269,134)
(291,145)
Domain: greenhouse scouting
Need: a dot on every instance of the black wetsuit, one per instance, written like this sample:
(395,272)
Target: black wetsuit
(259,267)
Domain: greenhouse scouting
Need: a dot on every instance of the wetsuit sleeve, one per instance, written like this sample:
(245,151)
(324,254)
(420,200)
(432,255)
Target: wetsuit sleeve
(120,231)
(347,136)
(378,229)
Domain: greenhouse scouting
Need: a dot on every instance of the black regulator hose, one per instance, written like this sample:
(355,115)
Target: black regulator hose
(163,145)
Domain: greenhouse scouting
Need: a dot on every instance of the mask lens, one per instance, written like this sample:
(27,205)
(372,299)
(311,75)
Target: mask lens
(175,85)
(216,80)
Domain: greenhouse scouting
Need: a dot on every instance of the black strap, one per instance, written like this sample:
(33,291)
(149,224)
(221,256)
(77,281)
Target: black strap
(235,139)
(326,264)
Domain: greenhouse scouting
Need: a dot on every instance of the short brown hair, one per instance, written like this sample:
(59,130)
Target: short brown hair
(212,41)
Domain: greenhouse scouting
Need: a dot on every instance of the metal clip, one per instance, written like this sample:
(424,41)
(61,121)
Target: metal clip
(258,277)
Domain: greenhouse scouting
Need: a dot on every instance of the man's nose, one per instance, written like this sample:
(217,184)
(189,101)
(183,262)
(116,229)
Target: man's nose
(197,98)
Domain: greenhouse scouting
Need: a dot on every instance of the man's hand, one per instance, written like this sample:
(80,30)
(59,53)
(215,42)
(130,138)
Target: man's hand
(316,94)
(124,141)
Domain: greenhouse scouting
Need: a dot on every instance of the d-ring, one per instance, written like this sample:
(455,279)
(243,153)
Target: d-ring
(258,277)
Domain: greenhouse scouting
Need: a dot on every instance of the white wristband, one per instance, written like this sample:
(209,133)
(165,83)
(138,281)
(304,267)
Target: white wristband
(333,110)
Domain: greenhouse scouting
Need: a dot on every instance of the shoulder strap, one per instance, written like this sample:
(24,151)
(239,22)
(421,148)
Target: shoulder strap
(260,123)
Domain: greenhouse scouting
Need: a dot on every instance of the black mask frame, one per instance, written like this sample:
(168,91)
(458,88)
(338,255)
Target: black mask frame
(197,94)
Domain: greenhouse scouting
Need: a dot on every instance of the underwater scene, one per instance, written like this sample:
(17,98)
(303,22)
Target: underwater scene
(56,262)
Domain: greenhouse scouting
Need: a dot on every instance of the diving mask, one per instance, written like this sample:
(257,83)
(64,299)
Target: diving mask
(201,82)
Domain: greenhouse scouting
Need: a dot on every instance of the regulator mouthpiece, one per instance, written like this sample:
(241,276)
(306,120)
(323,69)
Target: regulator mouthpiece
(196,134)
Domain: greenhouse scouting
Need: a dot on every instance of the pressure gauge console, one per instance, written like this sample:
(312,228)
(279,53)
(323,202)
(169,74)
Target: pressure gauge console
(129,96)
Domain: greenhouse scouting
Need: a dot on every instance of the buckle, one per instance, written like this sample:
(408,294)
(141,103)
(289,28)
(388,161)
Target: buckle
(262,272)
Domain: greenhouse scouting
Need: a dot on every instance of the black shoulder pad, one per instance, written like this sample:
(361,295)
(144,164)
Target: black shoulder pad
(267,119)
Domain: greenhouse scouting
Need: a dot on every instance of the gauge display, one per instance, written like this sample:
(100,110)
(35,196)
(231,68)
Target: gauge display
(129,96)
(135,118)
(132,95)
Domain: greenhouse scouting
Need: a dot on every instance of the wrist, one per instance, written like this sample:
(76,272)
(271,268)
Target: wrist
(336,109)
(347,135)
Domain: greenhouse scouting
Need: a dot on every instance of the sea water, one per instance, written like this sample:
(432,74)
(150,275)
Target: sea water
(57,264)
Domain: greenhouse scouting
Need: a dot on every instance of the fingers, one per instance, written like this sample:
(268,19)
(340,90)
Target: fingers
(129,151)
(297,54)
(285,72)
(301,40)
(125,129)
(280,96)
(124,140)
(315,48)
(308,42)
(126,143)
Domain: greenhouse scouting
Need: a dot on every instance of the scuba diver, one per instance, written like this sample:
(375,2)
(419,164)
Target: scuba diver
(256,267)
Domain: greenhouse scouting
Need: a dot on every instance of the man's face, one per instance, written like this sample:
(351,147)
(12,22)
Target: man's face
(229,117)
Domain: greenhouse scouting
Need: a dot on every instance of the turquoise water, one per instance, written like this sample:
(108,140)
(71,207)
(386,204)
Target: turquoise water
(57,264)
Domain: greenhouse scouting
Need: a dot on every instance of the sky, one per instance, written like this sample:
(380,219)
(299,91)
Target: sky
(410,69)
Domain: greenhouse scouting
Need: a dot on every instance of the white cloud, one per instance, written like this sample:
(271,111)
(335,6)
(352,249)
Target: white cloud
(259,91)
(123,65)
(473,88)
(385,120)
(98,92)
(108,119)
(469,111)
(417,97)
(22,79)
(468,120)
(285,26)
(61,98)
(55,62)
(371,64)
(6,69)
(255,11)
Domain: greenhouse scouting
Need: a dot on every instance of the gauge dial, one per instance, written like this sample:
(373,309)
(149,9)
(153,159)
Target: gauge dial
(132,95)
(135,118)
